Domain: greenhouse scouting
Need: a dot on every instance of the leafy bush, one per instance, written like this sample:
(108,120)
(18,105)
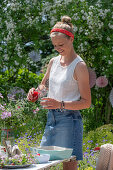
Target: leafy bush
(24,79)
(24,116)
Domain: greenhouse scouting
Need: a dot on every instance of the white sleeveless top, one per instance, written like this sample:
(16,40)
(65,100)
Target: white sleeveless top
(62,85)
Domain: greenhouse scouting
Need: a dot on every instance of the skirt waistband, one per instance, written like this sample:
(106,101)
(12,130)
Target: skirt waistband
(59,110)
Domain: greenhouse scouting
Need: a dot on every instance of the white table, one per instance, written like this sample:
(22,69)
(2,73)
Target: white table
(47,165)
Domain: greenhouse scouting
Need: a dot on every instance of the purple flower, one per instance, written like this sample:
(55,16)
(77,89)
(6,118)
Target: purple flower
(1,95)
(9,114)
(2,107)
(85,153)
(5,114)
(90,141)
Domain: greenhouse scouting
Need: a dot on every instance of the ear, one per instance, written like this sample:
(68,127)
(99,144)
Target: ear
(71,39)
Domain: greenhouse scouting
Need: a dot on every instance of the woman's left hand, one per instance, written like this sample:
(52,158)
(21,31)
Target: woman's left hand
(49,103)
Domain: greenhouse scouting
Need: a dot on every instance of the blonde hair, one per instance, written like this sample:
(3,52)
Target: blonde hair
(66,24)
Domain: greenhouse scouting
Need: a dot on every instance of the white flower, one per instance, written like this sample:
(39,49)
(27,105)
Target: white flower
(85,14)
(82,11)
(91,7)
(14,69)
(108,38)
(100,37)
(52,20)
(86,33)
(16,63)
(83,17)
(104,56)
(85,42)
(90,27)
(0,48)
(92,57)
(80,29)
(110,26)
(75,29)
(109,62)
(90,13)
(6,57)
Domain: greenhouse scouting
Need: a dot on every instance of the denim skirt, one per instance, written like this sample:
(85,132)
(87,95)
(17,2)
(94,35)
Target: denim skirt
(64,129)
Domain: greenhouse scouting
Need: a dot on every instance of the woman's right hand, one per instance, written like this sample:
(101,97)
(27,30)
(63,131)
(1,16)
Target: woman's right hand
(42,90)
(30,94)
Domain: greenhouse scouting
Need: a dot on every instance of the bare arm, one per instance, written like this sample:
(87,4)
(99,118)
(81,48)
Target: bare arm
(42,85)
(82,76)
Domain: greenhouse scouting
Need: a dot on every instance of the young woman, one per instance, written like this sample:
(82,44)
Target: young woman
(69,92)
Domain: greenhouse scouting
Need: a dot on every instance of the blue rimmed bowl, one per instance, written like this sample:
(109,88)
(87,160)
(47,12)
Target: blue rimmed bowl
(55,152)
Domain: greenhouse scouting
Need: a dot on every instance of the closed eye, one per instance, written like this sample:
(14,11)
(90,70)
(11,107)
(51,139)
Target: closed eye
(61,45)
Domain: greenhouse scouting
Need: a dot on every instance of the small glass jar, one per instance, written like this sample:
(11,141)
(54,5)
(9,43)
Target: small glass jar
(7,135)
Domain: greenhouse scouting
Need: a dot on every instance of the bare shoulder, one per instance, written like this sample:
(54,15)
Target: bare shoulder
(81,67)
(50,65)
(81,70)
(51,62)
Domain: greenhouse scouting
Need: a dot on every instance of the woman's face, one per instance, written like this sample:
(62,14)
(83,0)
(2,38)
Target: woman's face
(62,44)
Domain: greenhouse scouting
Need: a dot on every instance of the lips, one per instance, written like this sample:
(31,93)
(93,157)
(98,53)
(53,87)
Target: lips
(61,51)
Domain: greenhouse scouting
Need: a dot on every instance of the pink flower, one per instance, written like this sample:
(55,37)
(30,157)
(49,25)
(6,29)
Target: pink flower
(92,77)
(102,81)
(35,111)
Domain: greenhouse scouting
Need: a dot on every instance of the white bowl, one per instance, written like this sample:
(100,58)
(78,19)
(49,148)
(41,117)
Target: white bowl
(43,158)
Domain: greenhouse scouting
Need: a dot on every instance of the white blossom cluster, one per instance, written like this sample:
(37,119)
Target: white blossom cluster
(88,21)
(10,28)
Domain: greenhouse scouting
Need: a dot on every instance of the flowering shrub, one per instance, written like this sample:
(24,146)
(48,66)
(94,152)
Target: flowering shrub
(21,114)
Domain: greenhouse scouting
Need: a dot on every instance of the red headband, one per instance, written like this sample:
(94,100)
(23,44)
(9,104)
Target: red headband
(62,31)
